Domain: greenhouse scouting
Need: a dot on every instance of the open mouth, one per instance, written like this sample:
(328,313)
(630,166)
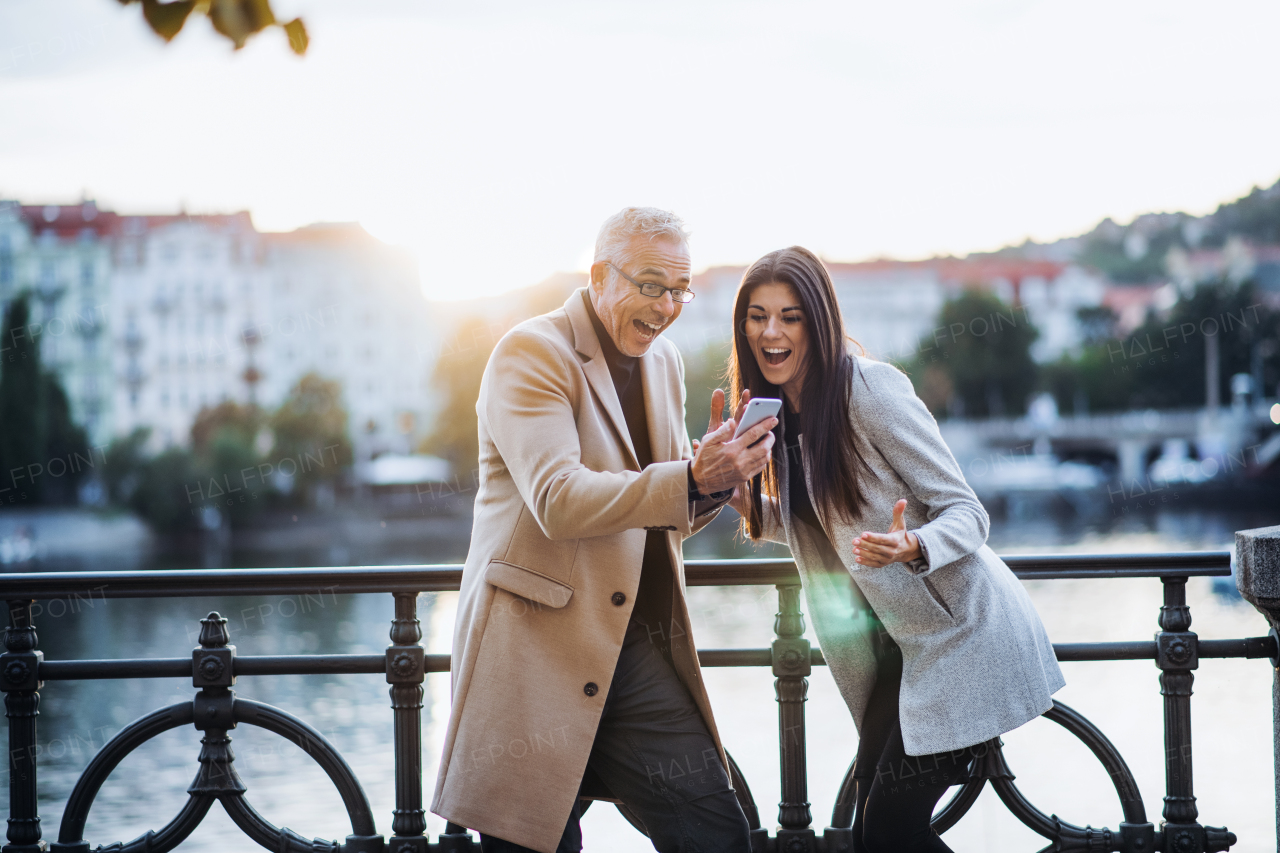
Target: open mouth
(774,356)
(647,331)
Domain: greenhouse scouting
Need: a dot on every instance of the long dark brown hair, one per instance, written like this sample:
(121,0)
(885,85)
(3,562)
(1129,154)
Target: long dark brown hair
(834,461)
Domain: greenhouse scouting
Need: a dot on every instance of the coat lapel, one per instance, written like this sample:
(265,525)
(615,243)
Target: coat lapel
(588,346)
(653,375)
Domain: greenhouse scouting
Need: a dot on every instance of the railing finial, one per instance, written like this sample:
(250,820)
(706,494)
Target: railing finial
(213,631)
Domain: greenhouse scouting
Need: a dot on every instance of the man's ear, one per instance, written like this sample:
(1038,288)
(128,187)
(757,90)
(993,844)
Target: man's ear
(597,277)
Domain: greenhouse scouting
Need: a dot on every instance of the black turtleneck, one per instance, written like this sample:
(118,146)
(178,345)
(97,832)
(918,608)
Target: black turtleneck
(797,489)
(653,598)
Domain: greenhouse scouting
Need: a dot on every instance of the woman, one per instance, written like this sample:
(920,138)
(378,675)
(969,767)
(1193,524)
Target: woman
(935,645)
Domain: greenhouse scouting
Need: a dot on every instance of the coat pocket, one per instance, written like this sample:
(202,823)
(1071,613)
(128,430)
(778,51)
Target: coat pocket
(936,595)
(527,583)
(532,550)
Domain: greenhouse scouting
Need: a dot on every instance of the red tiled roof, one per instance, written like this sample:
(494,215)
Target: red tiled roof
(949,270)
(69,220)
(239,221)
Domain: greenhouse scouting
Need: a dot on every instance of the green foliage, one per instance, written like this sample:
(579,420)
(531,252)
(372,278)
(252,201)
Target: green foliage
(166,491)
(457,376)
(977,361)
(124,461)
(225,468)
(1104,250)
(1161,364)
(63,440)
(22,415)
(1166,357)
(310,427)
(229,420)
(41,448)
(1097,323)
(1255,217)
(704,372)
(236,20)
(173,488)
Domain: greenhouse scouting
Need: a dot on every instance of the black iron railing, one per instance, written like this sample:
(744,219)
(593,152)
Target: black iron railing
(215,709)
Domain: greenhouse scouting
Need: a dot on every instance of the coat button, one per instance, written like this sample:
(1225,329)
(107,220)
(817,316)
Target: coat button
(591,689)
(618,599)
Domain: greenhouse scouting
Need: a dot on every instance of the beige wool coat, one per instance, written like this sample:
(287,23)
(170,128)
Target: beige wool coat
(977,661)
(550,579)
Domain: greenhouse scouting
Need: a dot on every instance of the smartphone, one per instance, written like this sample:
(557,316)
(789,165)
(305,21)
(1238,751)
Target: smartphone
(758,409)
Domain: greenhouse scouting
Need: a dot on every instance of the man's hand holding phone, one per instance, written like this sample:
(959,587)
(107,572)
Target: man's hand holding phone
(722,460)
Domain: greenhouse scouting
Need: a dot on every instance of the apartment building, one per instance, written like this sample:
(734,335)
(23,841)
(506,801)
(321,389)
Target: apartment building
(148,319)
(60,256)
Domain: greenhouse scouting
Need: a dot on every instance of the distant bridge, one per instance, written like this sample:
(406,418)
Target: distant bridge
(1239,438)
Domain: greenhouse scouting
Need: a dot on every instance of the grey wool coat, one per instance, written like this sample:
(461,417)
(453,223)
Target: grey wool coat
(977,661)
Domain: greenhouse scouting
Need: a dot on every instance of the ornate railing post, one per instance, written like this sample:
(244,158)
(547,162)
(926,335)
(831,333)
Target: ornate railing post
(791,666)
(1258,579)
(20,664)
(213,672)
(1177,655)
(406,669)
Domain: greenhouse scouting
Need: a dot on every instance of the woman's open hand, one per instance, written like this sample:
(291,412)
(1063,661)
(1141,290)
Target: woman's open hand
(897,546)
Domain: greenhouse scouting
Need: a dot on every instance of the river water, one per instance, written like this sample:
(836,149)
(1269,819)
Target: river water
(1231,708)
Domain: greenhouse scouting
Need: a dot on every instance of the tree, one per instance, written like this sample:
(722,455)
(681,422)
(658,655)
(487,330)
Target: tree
(241,422)
(1165,356)
(977,361)
(125,458)
(1161,363)
(310,428)
(22,411)
(63,440)
(457,376)
(704,372)
(236,20)
(166,492)
(42,450)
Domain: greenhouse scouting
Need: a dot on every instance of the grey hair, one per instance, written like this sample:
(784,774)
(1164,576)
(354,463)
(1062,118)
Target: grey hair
(631,222)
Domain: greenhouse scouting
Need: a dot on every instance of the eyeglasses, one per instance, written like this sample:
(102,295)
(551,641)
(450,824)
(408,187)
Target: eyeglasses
(654,290)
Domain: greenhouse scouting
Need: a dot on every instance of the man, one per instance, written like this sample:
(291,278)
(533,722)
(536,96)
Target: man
(573,667)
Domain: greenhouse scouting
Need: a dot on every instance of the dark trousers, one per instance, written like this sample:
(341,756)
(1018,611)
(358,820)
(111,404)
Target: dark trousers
(897,793)
(654,753)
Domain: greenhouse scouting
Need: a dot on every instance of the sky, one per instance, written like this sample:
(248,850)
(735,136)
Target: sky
(492,138)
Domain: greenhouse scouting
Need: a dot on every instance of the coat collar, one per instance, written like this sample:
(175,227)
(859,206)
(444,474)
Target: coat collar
(588,346)
(653,373)
(656,374)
